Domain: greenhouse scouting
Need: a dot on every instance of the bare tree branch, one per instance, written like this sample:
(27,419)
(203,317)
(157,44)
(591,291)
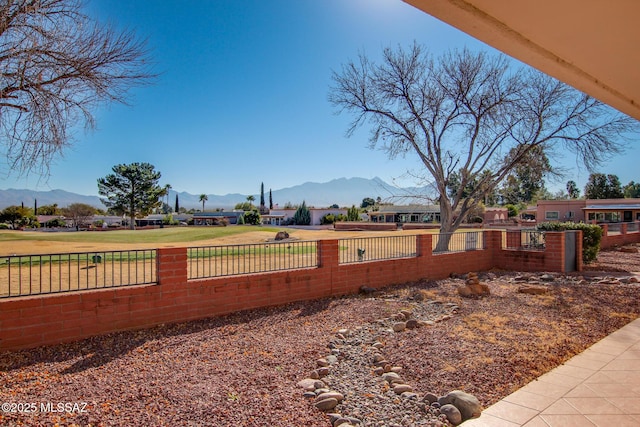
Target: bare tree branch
(470,116)
(56,67)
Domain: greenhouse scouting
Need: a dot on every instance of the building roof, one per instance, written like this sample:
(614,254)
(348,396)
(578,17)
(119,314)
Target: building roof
(222,214)
(407,209)
(618,207)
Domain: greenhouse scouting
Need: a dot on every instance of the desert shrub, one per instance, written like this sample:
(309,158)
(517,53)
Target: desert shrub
(591,236)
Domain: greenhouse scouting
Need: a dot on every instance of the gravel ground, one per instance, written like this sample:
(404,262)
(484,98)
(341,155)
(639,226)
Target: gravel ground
(243,369)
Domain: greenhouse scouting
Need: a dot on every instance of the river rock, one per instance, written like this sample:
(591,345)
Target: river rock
(401,388)
(327,404)
(430,398)
(399,327)
(392,378)
(330,394)
(452,413)
(412,324)
(467,404)
(308,384)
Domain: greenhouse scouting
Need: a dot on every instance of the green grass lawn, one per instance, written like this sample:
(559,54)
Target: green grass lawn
(158,235)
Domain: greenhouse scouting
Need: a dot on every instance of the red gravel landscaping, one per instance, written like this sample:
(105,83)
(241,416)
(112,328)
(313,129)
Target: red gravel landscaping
(242,369)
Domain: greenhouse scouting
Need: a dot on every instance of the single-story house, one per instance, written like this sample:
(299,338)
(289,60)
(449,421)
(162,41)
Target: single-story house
(271,219)
(404,214)
(495,215)
(589,210)
(212,218)
(316,214)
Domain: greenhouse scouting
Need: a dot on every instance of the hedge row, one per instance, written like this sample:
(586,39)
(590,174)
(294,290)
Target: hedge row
(591,236)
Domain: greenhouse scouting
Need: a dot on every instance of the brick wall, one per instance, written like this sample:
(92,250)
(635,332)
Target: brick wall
(625,237)
(48,319)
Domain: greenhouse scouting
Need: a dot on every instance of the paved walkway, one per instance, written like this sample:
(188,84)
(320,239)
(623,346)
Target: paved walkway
(598,387)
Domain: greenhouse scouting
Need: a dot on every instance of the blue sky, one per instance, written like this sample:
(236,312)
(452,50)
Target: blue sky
(242,96)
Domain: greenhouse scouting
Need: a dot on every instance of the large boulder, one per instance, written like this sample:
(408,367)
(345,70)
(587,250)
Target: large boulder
(467,404)
(282,235)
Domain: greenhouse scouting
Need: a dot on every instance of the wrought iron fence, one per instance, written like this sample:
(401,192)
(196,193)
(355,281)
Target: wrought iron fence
(361,249)
(458,242)
(614,228)
(43,274)
(633,227)
(215,261)
(524,239)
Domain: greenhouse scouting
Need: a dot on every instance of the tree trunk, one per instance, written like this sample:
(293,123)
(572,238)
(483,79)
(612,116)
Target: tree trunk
(446,226)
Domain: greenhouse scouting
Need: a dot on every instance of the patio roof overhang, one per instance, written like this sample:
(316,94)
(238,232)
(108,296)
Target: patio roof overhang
(612,207)
(589,44)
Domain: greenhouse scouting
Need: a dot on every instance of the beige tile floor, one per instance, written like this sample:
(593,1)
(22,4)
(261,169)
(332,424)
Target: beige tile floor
(598,387)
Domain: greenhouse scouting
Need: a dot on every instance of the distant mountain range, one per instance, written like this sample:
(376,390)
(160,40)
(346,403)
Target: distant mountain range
(342,191)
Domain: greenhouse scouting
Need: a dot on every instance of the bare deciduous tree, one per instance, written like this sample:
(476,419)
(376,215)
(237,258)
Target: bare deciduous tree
(79,213)
(471,117)
(56,66)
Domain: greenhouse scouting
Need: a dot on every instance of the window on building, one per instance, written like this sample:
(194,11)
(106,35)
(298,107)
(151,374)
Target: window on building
(552,215)
(604,216)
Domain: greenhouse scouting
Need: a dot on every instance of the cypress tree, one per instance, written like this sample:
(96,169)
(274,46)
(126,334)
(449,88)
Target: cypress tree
(262,195)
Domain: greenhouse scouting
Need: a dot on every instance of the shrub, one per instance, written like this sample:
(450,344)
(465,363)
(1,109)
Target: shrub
(591,236)
(328,219)
(353,214)
(56,222)
(512,210)
(168,220)
(332,219)
(4,226)
(252,218)
(302,215)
